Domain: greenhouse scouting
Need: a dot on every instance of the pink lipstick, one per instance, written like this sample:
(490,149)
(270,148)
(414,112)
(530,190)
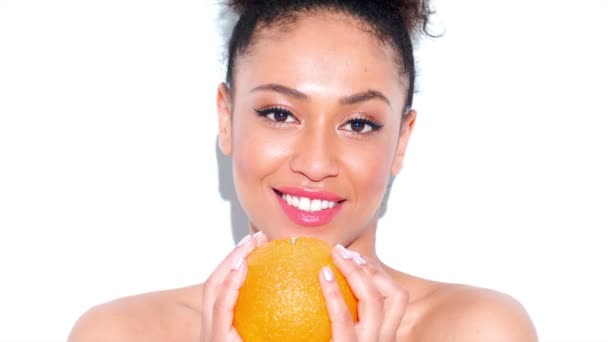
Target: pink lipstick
(308,208)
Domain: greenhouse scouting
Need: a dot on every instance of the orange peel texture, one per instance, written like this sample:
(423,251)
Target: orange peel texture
(281,299)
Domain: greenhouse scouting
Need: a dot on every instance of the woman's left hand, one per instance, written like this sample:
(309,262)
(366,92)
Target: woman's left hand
(381,300)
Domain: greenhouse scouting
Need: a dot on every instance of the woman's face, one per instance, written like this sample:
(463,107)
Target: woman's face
(314,126)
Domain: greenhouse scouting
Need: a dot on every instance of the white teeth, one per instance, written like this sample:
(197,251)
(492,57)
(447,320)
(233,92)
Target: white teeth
(307,204)
(315,205)
(304,204)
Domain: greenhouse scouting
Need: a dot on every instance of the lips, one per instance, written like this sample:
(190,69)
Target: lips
(309,208)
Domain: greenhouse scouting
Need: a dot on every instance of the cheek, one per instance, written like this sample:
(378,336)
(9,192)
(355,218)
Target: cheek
(246,152)
(256,153)
(369,167)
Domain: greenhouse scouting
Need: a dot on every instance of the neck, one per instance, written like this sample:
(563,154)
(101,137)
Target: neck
(365,243)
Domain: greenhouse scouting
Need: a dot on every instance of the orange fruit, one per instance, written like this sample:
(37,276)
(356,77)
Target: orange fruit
(281,298)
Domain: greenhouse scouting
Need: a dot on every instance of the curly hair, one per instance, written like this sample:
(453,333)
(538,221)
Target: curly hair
(395,22)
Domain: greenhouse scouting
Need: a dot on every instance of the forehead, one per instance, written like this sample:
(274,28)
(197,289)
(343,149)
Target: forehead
(328,49)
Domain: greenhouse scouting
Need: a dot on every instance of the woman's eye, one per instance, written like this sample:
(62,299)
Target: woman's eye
(361,126)
(277,114)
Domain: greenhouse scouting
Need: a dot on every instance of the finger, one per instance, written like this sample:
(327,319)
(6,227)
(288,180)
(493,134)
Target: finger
(260,238)
(395,296)
(385,283)
(342,325)
(242,249)
(211,286)
(223,308)
(370,305)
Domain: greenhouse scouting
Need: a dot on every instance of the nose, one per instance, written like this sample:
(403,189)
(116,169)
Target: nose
(316,154)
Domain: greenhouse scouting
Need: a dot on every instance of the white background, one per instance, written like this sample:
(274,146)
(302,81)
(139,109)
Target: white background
(109,179)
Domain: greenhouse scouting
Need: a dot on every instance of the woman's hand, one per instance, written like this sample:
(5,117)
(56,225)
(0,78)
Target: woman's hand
(221,291)
(382,301)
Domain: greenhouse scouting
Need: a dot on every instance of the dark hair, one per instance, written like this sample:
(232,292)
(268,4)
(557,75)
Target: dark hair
(395,22)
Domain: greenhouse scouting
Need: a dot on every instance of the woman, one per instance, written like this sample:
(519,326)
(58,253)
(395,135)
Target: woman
(316,114)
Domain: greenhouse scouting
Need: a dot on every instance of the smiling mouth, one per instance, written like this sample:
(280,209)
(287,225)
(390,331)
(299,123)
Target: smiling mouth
(307,204)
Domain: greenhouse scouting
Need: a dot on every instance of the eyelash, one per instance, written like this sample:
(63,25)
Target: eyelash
(264,113)
(375,126)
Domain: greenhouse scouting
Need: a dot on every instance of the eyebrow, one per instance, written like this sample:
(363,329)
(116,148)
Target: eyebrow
(349,100)
(365,96)
(277,88)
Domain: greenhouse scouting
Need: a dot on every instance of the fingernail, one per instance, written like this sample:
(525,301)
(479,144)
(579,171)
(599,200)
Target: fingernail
(343,252)
(257,235)
(244,240)
(327,274)
(237,263)
(359,260)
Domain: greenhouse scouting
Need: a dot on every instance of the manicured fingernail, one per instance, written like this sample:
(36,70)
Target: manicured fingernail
(237,263)
(327,274)
(359,260)
(343,252)
(244,240)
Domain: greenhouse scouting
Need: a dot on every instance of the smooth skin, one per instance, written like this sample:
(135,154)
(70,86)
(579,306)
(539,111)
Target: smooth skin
(323,86)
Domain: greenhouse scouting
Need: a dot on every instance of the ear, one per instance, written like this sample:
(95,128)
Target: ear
(224,115)
(407,126)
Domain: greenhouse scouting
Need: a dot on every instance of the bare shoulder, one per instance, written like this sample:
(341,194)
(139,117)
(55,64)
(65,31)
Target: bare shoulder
(157,316)
(465,313)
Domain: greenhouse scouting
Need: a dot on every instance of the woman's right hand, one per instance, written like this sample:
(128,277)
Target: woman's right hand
(221,291)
